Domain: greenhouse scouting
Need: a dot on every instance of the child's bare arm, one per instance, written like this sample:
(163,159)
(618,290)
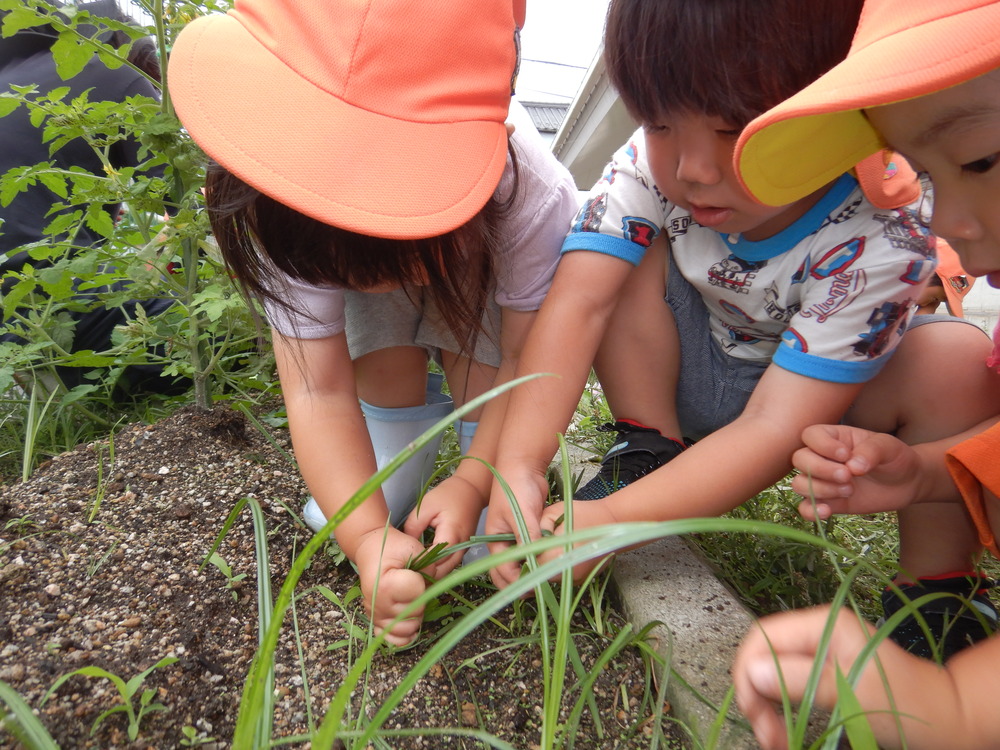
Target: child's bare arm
(328,430)
(935,707)
(739,460)
(335,457)
(563,341)
(726,468)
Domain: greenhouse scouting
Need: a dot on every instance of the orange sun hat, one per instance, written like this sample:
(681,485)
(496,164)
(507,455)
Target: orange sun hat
(383,117)
(954,279)
(902,49)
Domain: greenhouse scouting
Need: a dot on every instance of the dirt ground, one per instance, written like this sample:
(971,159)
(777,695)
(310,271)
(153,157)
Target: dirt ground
(125,591)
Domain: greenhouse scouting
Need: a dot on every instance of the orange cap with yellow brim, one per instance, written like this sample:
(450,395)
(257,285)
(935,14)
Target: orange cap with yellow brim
(902,49)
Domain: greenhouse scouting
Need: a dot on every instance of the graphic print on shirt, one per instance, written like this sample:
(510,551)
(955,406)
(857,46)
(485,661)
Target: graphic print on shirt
(773,307)
(640,231)
(734,274)
(591,214)
(846,213)
(678,226)
(741,328)
(632,154)
(886,321)
(832,262)
(884,325)
(791,337)
(904,232)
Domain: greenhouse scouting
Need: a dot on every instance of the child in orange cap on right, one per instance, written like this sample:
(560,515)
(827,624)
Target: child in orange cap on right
(923,78)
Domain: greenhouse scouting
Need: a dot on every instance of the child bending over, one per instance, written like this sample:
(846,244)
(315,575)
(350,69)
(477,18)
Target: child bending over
(368,191)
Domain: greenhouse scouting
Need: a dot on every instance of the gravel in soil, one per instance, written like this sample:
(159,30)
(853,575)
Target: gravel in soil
(123,591)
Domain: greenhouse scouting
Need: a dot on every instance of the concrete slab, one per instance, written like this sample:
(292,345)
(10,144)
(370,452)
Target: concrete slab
(702,625)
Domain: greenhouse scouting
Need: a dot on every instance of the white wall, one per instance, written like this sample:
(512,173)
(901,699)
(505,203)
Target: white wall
(982,305)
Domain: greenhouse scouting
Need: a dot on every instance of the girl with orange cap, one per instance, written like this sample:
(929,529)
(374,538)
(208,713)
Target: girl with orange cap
(923,77)
(367,190)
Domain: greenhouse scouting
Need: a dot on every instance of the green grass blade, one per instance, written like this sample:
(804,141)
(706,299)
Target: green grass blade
(252,698)
(587,544)
(799,728)
(22,723)
(859,731)
(226,526)
(265,605)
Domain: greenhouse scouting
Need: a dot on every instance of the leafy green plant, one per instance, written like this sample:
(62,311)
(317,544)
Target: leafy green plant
(232,581)
(20,525)
(193,737)
(772,574)
(126,691)
(161,249)
(32,420)
(262,723)
(102,487)
(340,720)
(95,563)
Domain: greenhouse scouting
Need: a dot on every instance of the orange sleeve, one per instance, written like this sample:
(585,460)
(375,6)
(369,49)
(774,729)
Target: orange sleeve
(974,465)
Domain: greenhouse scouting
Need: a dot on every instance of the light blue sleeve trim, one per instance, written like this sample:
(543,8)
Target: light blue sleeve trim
(830,370)
(616,247)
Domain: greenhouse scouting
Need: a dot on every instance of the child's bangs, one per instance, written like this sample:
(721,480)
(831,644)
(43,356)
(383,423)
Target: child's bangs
(732,59)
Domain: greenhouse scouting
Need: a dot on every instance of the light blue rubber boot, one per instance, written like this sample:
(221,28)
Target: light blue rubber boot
(391,430)
(466,431)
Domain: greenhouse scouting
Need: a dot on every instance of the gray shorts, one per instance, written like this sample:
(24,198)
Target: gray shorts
(383,320)
(714,387)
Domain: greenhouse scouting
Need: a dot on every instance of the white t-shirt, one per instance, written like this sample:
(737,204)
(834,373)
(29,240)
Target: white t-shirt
(530,240)
(828,297)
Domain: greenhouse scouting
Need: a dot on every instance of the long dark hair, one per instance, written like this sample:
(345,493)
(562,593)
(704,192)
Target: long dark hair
(733,59)
(257,233)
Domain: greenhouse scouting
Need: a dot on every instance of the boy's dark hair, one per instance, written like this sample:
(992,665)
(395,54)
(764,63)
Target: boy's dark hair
(733,59)
(257,233)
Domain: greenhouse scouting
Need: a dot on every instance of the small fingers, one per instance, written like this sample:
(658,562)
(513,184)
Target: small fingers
(397,589)
(505,574)
(818,468)
(828,440)
(444,566)
(820,489)
(811,510)
(416,524)
(552,518)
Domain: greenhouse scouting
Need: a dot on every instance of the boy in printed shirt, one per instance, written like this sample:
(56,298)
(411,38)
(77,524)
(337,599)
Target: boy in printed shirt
(777,317)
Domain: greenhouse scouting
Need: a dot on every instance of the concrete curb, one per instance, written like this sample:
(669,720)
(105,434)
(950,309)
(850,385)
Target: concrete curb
(701,625)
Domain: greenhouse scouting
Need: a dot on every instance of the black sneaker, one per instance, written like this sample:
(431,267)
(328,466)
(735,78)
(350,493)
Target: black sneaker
(955,622)
(636,452)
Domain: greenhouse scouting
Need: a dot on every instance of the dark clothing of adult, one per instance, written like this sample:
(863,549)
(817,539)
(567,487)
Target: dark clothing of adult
(27,215)
(27,59)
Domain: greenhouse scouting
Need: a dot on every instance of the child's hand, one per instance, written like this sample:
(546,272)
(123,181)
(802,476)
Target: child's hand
(384,567)
(922,693)
(531,490)
(452,509)
(850,470)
